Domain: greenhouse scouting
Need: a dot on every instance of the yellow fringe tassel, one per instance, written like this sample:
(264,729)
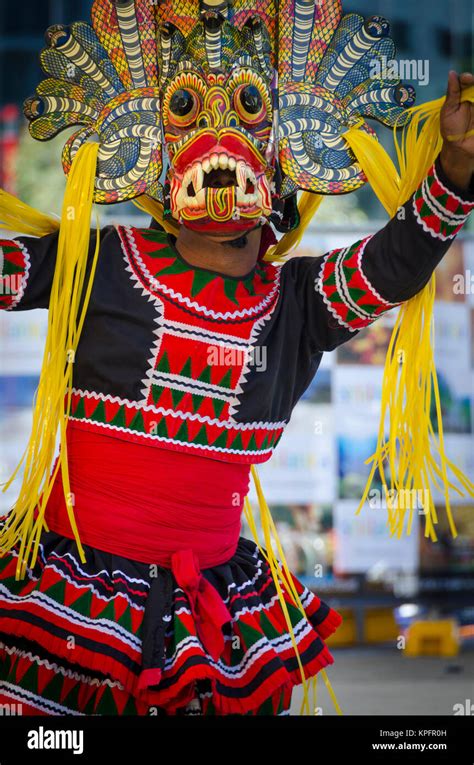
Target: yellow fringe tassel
(153,208)
(307,206)
(21,218)
(64,329)
(281,575)
(412,452)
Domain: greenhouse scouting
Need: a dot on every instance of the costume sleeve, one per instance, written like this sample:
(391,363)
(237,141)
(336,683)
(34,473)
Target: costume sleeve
(26,271)
(27,267)
(349,288)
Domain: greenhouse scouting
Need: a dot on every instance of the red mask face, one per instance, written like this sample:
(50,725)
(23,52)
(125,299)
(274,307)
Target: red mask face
(217,133)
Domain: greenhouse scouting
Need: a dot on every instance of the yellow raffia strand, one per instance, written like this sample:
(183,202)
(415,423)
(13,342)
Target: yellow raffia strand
(414,454)
(281,575)
(315,693)
(21,218)
(51,412)
(329,689)
(155,209)
(307,206)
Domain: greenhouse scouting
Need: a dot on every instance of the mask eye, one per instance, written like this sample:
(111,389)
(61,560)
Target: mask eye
(248,103)
(183,107)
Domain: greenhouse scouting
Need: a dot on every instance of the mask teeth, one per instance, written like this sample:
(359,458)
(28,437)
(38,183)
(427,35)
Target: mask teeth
(265,193)
(218,200)
(241,175)
(198,177)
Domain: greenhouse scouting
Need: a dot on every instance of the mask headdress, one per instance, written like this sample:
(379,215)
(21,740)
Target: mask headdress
(326,72)
(104,77)
(311,67)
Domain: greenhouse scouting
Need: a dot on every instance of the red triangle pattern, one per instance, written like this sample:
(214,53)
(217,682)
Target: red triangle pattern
(68,685)
(120,606)
(72,593)
(98,605)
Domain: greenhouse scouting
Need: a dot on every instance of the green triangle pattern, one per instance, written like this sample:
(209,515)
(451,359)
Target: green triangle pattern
(174,268)
(7,248)
(80,411)
(156,391)
(230,289)
(201,437)
(177,395)
(221,441)
(226,381)
(252,444)
(10,268)
(237,443)
(57,591)
(152,235)
(356,293)
(137,423)
(218,405)
(162,430)
(187,369)
(205,375)
(200,280)
(83,603)
(197,400)
(119,418)
(163,364)
(183,433)
(99,413)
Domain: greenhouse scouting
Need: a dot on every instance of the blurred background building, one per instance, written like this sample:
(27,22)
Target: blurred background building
(317,475)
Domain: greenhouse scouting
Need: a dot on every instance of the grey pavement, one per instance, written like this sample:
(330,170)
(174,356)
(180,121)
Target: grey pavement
(382,681)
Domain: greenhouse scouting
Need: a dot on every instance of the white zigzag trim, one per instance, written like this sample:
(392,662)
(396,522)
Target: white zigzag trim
(319,287)
(306,598)
(426,228)
(24,277)
(160,310)
(72,616)
(155,349)
(180,382)
(180,415)
(98,595)
(111,574)
(188,642)
(184,609)
(39,701)
(85,574)
(62,670)
(261,647)
(367,282)
(257,650)
(193,332)
(437,209)
(448,191)
(191,303)
(255,609)
(162,439)
(245,585)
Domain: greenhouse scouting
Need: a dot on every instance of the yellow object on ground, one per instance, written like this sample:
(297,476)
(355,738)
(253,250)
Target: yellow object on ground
(346,634)
(432,638)
(380,625)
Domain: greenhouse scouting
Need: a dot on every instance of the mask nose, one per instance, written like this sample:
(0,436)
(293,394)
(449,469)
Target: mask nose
(217,112)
